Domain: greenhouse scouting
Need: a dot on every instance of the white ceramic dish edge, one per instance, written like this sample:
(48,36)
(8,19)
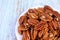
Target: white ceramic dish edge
(19,37)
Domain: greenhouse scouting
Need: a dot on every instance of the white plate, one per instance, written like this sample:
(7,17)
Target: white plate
(19,37)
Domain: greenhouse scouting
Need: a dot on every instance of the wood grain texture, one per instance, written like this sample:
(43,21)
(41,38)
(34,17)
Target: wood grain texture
(11,9)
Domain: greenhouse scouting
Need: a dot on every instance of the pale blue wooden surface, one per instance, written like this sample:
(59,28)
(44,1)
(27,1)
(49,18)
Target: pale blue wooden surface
(11,9)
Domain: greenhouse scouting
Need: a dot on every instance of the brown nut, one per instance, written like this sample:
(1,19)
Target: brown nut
(33,15)
(21,19)
(41,10)
(22,27)
(35,34)
(28,35)
(33,21)
(55,24)
(40,34)
(40,25)
(46,7)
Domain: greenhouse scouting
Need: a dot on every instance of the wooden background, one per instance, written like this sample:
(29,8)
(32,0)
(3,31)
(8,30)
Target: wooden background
(10,11)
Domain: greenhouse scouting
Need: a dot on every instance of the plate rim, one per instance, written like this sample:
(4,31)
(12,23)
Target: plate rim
(16,26)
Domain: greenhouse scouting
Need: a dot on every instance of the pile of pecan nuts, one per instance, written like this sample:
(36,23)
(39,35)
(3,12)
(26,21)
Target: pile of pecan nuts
(40,24)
